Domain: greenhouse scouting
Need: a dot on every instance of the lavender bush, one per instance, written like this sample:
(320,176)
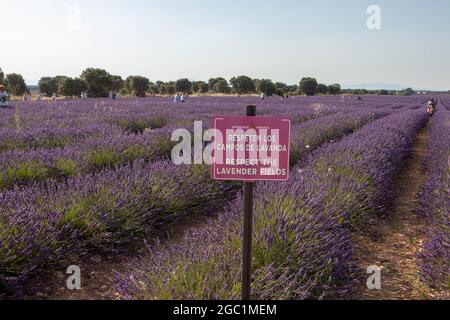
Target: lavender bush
(435,204)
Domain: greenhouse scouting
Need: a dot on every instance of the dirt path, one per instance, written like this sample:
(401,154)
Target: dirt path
(398,238)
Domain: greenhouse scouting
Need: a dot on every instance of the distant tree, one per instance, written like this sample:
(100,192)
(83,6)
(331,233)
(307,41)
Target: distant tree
(169,88)
(138,85)
(99,82)
(117,83)
(308,86)
(383,92)
(160,87)
(16,84)
(60,80)
(221,87)
(407,92)
(213,81)
(67,87)
(152,88)
(48,86)
(72,87)
(79,86)
(321,88)
(334,89)
(293,89)
(194,86)
(281,88)
(183,85)
(202,87)
(266,86)
(2,76)
(242,84)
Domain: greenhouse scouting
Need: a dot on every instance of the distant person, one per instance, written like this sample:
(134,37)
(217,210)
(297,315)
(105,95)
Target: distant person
(3,97)
(176,98)
(54,97)
(263,96)
(359,99)
(431,107)
(39,98)
(183,98)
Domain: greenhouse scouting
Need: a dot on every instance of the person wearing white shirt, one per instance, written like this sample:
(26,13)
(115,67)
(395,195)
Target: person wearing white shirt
(3,97)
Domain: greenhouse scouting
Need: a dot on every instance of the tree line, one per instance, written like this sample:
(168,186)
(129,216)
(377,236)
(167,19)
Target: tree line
(99,83)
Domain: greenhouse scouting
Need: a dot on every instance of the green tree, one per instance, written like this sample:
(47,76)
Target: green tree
(407,92)
(321,88)
(169,88)
(293,89)
(2,76)
(242,84)
(202,87)
(281,88)
(72,87)
(183,85)
(213,81)
(383,92)
(48,86)
(221,86)
(199,87)
(267,87)
(152,88)
(308,86)
(137,85)
(334,89)
(99,82)
(60,80)
(117,83)
(16,84)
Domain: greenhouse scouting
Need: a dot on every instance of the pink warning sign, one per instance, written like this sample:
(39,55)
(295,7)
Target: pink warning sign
(251,148)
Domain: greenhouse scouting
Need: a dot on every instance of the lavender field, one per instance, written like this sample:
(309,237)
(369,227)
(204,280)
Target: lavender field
(91,183)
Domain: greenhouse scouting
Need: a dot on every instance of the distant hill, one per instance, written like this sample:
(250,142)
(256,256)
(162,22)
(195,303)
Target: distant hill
(375,86)
(385,86)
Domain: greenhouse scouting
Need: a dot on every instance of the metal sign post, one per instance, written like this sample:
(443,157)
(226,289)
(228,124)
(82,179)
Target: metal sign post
(248,229)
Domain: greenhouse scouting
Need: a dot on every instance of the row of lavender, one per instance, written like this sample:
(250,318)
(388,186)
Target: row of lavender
(302,238)
(66,123)
(435,205)
(110,148)
(76,113)
(42,225)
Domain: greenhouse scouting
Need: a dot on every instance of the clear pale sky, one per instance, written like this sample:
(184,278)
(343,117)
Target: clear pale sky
(283,40)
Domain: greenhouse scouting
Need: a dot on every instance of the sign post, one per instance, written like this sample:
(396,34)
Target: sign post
(250,149)
(248,229)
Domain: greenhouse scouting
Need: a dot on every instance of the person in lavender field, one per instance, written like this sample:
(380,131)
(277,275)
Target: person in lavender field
(3,97)
(431,107)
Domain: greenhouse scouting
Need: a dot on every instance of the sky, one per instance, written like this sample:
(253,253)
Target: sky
(283,40)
